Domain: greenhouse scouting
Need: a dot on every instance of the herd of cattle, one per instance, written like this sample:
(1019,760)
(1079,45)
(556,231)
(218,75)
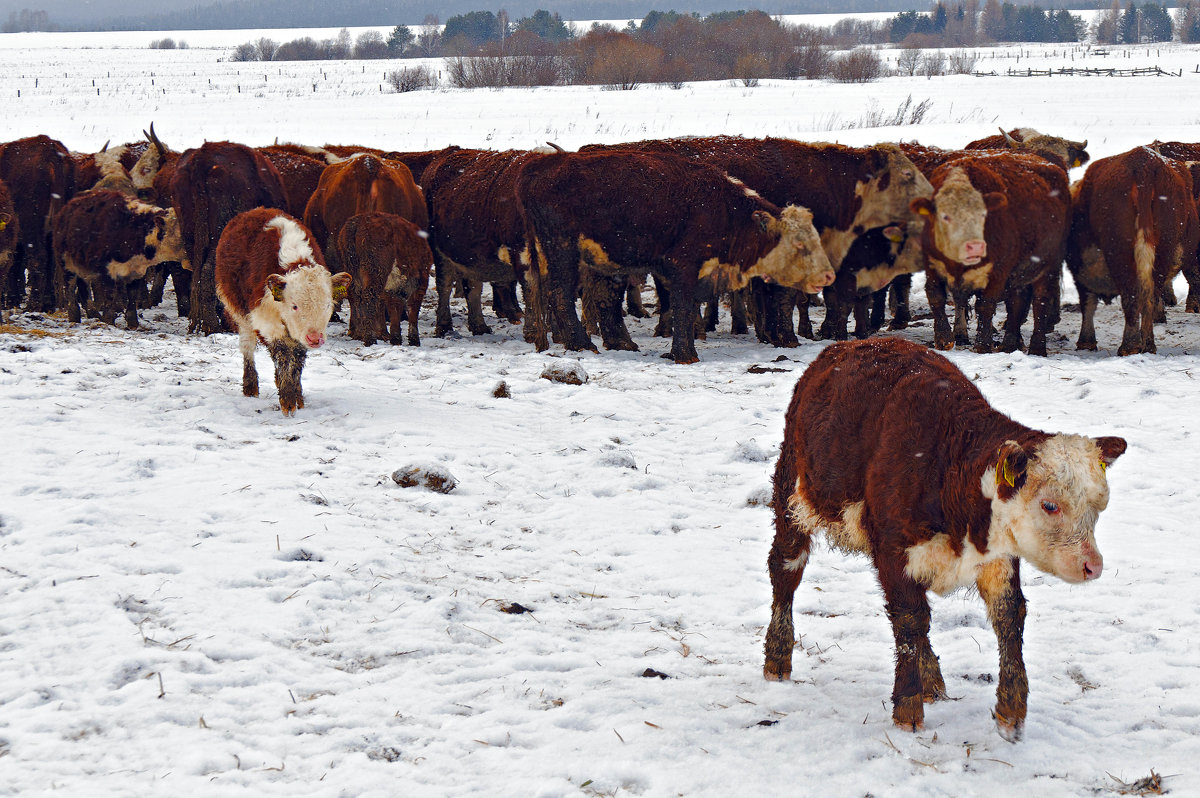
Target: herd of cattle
(769,222)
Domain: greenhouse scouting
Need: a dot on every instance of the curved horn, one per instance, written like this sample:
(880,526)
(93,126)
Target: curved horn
(105,147)
(555,146)
(162,150)
(1009,140)
(1083,146)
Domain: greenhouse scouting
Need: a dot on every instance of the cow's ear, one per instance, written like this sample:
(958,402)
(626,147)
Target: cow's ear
(341,281)
(994,200)
(1111,447)
(922,206)
(764,220)
(276,284)
(1011,465)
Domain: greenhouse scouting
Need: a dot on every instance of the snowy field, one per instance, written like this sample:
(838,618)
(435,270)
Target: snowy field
(199,596)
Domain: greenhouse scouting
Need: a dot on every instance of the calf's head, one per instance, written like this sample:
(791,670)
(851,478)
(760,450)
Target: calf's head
(306,296)
(1046,499)
(797,260)
(956,217)
(887,197)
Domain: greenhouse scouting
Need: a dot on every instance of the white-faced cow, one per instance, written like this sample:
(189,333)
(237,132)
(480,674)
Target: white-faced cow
(272,280)
(893,452)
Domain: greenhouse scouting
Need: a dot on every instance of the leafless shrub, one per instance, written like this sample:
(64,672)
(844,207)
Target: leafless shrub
(907,61)
(962,62)
(933,64)
(163,44)
(244,52)
(861,65)
(265,49)
(750,68)
(411,79)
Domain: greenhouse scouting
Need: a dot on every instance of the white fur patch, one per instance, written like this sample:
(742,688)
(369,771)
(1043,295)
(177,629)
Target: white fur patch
(294,246)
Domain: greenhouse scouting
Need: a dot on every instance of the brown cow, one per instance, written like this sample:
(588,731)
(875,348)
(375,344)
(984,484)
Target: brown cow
(275,287)
(621,212)
(299,171)
(210,185)
(476,229)
(996,227)
(110,240)
(361,183)
(389,259)
(40,175)
(849,190)
(1069,153)
(1133,227)
(893,452)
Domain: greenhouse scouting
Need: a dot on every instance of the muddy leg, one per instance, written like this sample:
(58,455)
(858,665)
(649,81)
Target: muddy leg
(999,585)
(289,363)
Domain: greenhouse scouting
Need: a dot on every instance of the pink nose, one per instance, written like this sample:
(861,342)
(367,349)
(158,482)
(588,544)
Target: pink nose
(1092,568)
(314,339)
(975,249)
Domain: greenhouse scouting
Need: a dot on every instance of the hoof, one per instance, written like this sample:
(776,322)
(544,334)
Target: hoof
(1011,730)
(908,713)
(772,675)
(1086,346)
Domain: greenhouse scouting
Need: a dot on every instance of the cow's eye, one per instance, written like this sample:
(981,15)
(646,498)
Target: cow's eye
(1051,508)
(295,307)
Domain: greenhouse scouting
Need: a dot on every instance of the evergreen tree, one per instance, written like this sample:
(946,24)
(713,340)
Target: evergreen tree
(399,40)
(1129,27)
(546,26)
(1156,24)
(477,27)
(940,18)
(991,21)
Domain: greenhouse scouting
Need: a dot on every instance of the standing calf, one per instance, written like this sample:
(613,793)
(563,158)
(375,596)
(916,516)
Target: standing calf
(389,258)
(894,453)
(272,280)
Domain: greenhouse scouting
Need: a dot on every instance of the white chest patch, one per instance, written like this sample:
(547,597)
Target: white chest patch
(935,565)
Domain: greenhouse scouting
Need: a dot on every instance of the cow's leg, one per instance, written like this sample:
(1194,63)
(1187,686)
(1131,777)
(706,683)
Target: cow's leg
(529,322)
(737,311)
(985,332)
(181,279)
(712,314)
(412,309)
(1045,313)
(74,314)
(504,301)
(1017,309)
(837,309)
(908,611)
(127,294)
(475,322)
(1191,273)
(633,297)
(999,585)
(790,298)
(663,291)
(602,299)
(935,292)
(1087,312)
(683,320)
(158,284)
(443,280)
(898,293)
(247,341)
(289,364)
(785,563)
(962,315)
(562,284)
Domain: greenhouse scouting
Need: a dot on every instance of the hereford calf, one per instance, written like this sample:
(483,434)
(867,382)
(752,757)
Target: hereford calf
(109,240)
(1133,227)
(389,259)
(894,453)
(272,280)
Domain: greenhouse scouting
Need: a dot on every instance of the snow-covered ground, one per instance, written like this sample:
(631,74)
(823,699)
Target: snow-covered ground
(199,596)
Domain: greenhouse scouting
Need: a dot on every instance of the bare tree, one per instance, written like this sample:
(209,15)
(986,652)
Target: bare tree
(908,60)
(265,49)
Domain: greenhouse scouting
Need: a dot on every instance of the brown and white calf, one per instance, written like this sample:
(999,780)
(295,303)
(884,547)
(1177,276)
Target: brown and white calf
(272,280)
(110,240)
(892,452)
(390,259)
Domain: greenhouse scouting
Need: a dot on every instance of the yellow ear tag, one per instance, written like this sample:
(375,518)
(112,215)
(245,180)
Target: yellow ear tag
(339,293)
(1103,466)
(924,212)
(277,292)
(1006,474)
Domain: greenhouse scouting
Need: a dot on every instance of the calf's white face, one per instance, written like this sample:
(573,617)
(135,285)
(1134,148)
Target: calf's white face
(1045,502)
(305,299)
